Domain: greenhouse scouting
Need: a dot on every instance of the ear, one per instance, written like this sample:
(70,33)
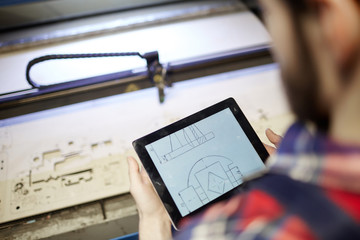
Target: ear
(340,22)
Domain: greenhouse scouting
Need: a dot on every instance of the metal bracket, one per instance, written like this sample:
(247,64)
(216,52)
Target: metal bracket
(157,73)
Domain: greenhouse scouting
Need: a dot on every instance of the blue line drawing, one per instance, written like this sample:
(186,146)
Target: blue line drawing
(209,178)
(216,183)
(181,142)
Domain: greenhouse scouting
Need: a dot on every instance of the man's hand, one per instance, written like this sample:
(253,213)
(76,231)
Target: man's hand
(274,139)
(154,221)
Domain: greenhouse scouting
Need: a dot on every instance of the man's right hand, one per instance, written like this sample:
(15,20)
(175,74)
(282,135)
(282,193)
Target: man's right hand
(274,139)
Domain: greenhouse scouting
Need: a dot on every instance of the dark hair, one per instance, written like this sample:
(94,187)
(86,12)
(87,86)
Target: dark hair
(302,87)
(302,84)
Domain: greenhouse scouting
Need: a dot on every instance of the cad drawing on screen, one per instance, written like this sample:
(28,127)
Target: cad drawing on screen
(209,178)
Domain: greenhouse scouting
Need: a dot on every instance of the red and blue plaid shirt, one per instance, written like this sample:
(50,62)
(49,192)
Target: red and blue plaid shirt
(311,191)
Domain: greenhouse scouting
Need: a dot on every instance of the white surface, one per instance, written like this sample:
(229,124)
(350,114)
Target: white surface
(69,141)
(175,41)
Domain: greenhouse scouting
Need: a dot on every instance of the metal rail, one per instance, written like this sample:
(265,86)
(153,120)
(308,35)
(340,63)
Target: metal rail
(57,95)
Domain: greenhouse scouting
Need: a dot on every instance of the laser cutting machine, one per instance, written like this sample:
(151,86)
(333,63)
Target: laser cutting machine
(75,93)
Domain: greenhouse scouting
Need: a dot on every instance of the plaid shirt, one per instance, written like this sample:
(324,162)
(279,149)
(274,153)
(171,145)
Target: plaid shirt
(311,191)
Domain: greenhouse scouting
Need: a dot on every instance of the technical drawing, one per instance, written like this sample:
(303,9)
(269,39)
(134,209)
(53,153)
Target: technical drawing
(209,178)
(216,184)
(180,142)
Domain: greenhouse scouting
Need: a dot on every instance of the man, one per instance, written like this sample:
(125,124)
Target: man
(312,188)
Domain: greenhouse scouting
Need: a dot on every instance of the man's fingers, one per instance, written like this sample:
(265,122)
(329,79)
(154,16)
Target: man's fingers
(144,175)
(134,174)
(273,137)
(271,150)
(137,174)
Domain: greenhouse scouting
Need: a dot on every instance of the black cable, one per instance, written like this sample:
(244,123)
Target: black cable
(72,56)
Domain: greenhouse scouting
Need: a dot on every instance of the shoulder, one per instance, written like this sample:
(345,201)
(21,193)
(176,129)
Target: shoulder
(275,207)
(255,212)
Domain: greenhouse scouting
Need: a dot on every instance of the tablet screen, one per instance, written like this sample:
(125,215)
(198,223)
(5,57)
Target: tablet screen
(204,160)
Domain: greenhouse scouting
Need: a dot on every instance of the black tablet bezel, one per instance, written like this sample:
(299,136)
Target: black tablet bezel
(158,183)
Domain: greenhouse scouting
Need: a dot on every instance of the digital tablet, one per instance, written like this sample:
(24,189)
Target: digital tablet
(201,159)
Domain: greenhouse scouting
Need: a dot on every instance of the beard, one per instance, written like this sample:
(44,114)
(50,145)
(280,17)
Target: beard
(302,88)
(301,80)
